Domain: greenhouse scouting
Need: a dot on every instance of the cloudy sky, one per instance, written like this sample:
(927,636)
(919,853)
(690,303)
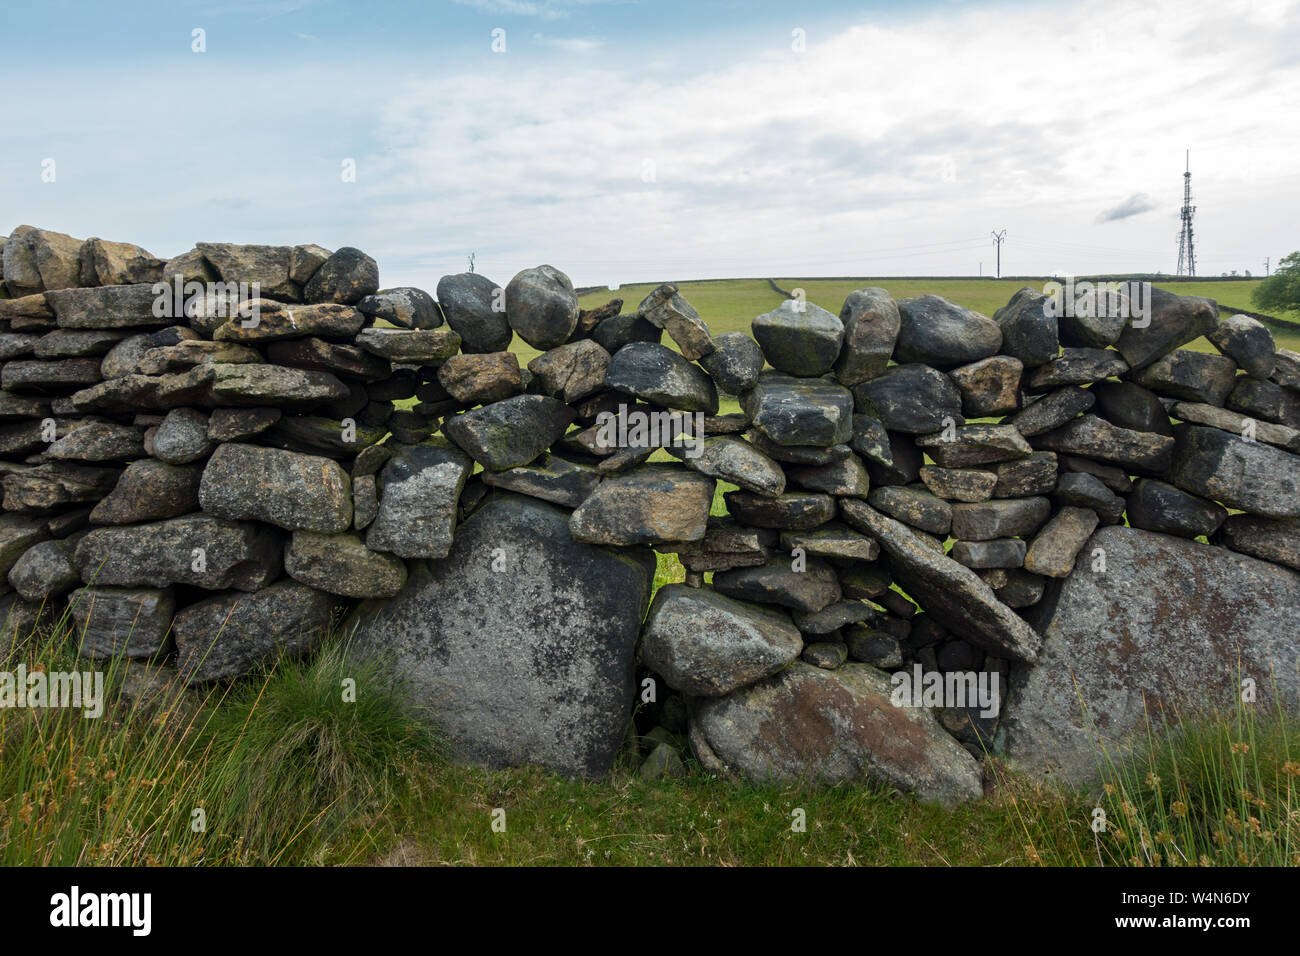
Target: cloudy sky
(624,141)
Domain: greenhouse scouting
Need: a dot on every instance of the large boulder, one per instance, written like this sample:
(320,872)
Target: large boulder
(1241,474)
(520,646)
(830,727)
(1169,624)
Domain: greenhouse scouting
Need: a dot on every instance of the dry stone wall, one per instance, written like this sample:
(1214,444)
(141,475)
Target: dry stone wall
(203,463)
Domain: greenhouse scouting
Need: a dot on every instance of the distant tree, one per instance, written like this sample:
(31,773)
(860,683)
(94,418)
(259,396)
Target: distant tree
(1280,292)
(471,262)
(1248,275)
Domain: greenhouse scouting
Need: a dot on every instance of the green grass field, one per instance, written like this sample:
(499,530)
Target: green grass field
(282,770)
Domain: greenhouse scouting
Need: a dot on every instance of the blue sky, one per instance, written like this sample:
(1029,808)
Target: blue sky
(625,141)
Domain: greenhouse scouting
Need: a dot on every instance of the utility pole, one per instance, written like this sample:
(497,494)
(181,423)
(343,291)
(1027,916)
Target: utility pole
(1186,248)
(998,237)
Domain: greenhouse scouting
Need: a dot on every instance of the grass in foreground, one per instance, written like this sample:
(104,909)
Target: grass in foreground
(285,771)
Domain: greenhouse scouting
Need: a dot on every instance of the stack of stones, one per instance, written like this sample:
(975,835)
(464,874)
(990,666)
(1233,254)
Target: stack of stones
(196,471)
(908,475)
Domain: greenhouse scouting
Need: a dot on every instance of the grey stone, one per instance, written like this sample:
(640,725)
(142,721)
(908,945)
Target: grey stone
(1157,506)
(265,320)
(421,485)
(423,346)
(777,582)
(737,461)
(550,478)
(268,266)
(793,411)
(541,307)
(799,338)
(1029,328)
(1131,406)
(914,506)
(1077,366)
(619,330)
(870,646)
(758,733)
(847,477)
(511,432)
(959,484)
(467,301)
(1243,425)
(1089,491)
(341,564)
(1173,625)
(665,308)
(196,549)
(405,307)
(734,363)
(1248,342)
(481,378)
(1054,549)
(789,511)
(1265,400)
(910,398)
(346,361)
(304,260)
(997,553)
(871,323)
(226,636)
(1191,376)
(1053,410)
(258,385)
(99,441)
(61,374)
(150,490)
(657,374)
(45,571)
(828,655)
(871,440)
(106,307)
(570,372)
(1091,436)
(706,644)
(122,622)
(934,331)
(347,277)
(533,665)
(182,438)
(833,617)
(1276,541)
(290,490)
(1175,321)
(974,445)
(989,386)
(1241,474)
(1003,518)
(648,505)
